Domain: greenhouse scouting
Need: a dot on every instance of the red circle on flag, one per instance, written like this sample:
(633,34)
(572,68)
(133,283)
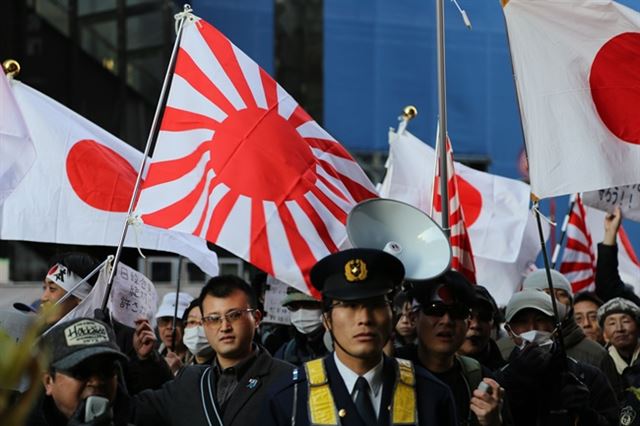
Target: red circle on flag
(471,201)
(100,176)
(240,157)
(615,86)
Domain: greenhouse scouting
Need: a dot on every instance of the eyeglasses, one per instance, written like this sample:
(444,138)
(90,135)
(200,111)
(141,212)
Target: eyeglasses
(231,316)
(438,309)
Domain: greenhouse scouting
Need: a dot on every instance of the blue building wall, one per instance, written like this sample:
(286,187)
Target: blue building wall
(249,24)
(380,56)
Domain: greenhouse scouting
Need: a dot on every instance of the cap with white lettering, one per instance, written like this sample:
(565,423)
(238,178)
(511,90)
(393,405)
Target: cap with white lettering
(75,341)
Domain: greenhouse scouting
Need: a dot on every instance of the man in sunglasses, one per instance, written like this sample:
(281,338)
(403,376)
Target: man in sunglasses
(356,384)
(443,307)
(232,390)
(81,384)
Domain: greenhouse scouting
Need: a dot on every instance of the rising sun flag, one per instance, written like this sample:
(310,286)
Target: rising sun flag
(239,163)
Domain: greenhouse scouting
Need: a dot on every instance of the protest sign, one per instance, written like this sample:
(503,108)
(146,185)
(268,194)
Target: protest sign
(133,296)
(627,197)
(275,294)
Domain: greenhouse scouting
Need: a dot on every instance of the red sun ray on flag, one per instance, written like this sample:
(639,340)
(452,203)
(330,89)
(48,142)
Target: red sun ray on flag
(239,163)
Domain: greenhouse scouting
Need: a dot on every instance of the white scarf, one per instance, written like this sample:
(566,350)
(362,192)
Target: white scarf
(620,363)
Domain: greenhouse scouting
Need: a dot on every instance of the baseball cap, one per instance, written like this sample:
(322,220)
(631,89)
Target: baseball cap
(532,299)
(537,280)
(294,295)
(75,341)
(168,306)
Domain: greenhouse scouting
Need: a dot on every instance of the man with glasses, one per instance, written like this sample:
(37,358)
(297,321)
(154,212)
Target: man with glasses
(357,384)
(83,375)
(443,307)
(230,391)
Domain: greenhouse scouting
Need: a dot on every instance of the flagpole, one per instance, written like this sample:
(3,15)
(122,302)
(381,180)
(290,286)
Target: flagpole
(563,231)
(536,209)
(182,17)
(442,117)
(175,309)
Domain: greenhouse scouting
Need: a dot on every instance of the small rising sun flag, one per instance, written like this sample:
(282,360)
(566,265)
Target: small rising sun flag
(239,163)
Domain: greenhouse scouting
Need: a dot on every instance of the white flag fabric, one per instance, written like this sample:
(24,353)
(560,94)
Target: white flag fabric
(133,296)
(502,279)
(495,208)
(17,152)
(576,72)
(79,188)
(86,308)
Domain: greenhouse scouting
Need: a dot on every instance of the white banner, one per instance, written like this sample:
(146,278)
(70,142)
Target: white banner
(627,197)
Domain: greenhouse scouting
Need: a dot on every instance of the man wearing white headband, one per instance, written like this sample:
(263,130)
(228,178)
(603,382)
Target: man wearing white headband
(66,272)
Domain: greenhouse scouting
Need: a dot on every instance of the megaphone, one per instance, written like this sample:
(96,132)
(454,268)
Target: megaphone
(403,231)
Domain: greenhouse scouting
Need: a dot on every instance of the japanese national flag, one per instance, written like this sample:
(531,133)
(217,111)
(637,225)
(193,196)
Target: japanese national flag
(79,188)
(240,163)
(577,72)
(503,235)
(17,152)
(495,208)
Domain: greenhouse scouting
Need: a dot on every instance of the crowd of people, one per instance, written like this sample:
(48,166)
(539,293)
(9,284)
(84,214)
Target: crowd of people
(374,350)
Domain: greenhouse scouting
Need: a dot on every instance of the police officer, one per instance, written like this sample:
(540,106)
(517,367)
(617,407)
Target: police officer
(357,384)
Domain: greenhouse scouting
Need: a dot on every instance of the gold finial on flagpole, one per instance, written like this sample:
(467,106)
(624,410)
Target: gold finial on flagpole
(409,112)
(11,67)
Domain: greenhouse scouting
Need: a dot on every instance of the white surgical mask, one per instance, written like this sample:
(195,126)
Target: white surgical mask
(306,321)
(539,337)
(196,341)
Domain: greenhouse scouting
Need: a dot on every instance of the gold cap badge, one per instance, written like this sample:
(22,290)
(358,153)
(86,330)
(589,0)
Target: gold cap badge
(355,270)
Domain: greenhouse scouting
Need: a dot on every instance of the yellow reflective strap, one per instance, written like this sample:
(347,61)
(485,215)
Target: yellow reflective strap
(404,405)
(322,409)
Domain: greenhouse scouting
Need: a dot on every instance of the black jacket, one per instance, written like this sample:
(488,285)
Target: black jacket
(490,357)
(302,348)
(183,400)
(461,386)
(535,388)
(435,403)
(139,375)
(45,412)
(608,282)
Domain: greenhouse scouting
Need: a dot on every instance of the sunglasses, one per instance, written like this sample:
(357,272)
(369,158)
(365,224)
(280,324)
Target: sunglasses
(438,309)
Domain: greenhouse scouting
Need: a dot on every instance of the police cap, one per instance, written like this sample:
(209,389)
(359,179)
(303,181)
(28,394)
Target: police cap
(358,273)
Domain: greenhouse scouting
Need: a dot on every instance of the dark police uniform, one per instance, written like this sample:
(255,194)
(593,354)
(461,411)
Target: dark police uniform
(316,394)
